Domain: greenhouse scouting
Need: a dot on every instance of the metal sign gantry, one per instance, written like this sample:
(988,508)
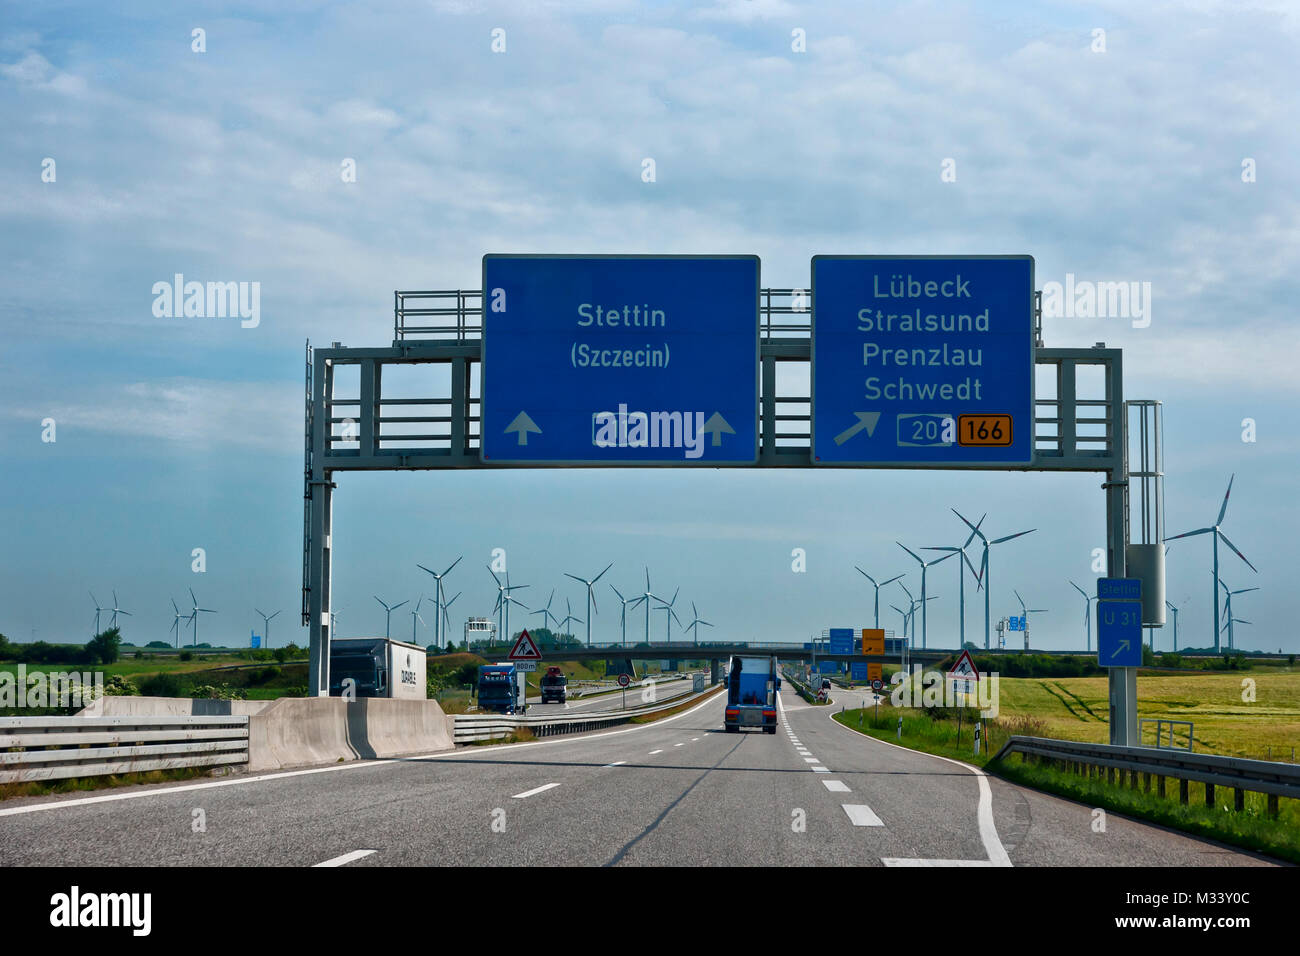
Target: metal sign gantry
(371,431)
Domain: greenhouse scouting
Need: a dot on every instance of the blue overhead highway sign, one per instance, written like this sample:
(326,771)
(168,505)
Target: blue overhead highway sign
(923,360)
(620,360)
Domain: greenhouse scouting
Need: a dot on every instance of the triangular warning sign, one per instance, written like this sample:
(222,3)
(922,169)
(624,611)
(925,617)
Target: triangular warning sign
(964,669)
(525,649)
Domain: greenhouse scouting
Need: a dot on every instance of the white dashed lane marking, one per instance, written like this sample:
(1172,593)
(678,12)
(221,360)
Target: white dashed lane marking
(347,858)
(861,815)
(536,790)
(836,786)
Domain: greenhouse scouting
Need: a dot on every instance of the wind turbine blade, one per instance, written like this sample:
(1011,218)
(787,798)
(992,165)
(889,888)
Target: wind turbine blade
(452,565)
(1079,589)
(423,568)
(447,604)
(864,574)
(951,552)
(909,551)
(1235,551)
(575,577)
(1242,591)
(966,558)
(619,593)
(1019,598)
(120,611)
(192,597)
(1188,534)
(493,573)
(897,577)
(1224,508)
(1010,536)
(969,525)
(602,573)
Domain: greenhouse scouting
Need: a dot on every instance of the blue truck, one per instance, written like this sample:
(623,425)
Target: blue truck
(752,686)
(498,689)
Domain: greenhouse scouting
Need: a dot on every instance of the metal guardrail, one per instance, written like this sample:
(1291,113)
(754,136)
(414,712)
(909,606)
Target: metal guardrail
(470,728)
(1237,773)
(53,748)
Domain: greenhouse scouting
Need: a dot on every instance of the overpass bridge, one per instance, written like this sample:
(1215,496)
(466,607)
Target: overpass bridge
(715,652)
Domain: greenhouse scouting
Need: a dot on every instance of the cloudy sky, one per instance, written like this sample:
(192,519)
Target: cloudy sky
(1162,150)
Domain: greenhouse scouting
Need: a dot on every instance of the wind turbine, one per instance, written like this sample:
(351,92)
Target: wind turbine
(446,620)
(1026,612)
(437,594)
(622,618)
(961,577)
(1228,627)
(547,616)
(877,587)
(925,566)
(503,601)
(415,616)
(670,614)
(1087,615)
(695,624)
(266,625)
(334,619)
(1227,610)
(1175,610)
(591,595)
(97,610)
(568,614)
(176,622)
(1217,533)
(116,611)
(388,616)
(194,615)
(984,564)
(646,597)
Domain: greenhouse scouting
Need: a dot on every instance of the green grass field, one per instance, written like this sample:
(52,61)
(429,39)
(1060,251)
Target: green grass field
(1250,828)
(1266,728)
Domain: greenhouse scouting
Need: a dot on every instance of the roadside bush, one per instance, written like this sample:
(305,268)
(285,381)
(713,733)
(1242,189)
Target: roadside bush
(218,692)
(161,685)
(187,655)
(119,686)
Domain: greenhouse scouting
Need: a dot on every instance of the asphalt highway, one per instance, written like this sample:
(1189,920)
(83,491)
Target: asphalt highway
(679,791)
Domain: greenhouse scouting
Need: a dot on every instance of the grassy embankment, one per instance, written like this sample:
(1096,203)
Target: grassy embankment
(1075,709)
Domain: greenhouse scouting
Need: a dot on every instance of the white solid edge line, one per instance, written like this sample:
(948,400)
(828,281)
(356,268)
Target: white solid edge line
(533,792)
(988,830)
(335,768)
(346,858)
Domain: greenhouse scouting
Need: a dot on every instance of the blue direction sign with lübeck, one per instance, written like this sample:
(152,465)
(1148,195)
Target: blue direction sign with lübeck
(1119,622)
(620,360)
(923,360)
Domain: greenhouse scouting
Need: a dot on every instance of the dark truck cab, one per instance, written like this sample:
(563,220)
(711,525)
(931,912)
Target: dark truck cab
(555,686)
(752,686)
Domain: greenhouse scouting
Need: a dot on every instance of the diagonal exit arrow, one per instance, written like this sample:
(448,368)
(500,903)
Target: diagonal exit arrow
(1123,646)
(866,420)
(523,425)
(715,426)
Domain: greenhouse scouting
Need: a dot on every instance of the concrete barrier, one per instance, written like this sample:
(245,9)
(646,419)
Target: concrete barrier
(172,707)
(305,731)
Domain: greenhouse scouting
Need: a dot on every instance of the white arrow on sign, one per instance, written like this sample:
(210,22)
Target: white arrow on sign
(715,426)
(523,425)
(866,420)
(1123,646)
